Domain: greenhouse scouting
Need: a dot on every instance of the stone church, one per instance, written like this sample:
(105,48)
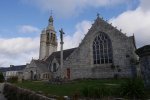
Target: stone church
(105,52)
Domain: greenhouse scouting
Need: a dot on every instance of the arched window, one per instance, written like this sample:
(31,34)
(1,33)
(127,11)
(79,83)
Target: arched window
(102,49)
(54,67)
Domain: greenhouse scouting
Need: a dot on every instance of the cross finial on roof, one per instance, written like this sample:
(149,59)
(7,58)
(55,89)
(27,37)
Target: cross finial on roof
(51,12)
(97,14)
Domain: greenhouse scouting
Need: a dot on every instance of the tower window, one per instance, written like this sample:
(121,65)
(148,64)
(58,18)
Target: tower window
(47,36)
(102,49)
(51,35)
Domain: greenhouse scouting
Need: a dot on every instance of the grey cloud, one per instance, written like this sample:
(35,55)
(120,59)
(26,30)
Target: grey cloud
(145,5)
(18,50)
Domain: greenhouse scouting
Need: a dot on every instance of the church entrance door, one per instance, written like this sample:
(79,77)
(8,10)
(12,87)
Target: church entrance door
(68,73)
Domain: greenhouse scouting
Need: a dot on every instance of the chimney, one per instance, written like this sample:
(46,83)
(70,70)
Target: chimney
(11,65)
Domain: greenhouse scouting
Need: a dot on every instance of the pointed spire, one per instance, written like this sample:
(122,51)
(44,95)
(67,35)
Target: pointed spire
(97,15)
(51,19)
(50,23)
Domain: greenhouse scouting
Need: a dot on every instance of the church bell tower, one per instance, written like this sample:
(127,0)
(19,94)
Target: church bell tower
(48,40)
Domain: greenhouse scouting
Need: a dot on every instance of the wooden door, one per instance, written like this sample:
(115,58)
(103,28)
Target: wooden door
(68,73)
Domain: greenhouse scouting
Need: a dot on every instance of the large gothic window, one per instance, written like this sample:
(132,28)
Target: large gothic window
(102,49)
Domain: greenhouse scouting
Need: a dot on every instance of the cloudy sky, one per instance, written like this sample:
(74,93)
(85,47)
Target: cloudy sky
(21,22)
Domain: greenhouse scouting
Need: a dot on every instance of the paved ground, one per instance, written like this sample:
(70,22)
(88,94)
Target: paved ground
(1,92)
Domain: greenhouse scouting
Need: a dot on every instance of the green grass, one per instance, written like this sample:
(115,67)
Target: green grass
(68,89)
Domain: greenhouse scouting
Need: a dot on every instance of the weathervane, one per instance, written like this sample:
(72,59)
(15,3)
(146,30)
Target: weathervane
(51,12)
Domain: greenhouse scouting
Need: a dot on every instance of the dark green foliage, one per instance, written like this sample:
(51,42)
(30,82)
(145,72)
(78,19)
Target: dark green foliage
(1,77)
(133,89)
(70,88)
(116,76)
(12,79)
(76,95)
(96,91)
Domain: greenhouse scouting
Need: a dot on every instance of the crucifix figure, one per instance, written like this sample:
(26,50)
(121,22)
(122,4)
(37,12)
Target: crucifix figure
(61,35)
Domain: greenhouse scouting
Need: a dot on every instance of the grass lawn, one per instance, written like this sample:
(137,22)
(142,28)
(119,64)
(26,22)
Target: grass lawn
(70,88)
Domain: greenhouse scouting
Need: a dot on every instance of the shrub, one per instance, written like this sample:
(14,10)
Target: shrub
(116,76)
(1,77)
(101,92)
(12,79)
(133,89)
(76,95)
(96,92)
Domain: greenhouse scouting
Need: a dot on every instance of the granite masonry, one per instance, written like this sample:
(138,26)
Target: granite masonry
(144,54)
(105,52)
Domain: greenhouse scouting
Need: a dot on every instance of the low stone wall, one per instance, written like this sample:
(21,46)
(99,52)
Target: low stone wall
(12,92)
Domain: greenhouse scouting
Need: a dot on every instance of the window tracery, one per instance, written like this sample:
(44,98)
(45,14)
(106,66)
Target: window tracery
(102,49)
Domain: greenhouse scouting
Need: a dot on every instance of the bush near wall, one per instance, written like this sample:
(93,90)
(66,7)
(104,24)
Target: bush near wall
(12,79)
(12,92)
(96,92)
(1,77)
(133,89)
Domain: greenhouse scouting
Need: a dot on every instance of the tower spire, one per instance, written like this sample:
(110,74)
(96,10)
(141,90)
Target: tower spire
(51,12)
(51,19)
(51,22)
(97,15)
(48,41)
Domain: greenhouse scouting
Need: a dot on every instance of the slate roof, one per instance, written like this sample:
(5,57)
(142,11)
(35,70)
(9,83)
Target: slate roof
(42,65)
(143,51)
(13,68)
(4,69)
(56,55)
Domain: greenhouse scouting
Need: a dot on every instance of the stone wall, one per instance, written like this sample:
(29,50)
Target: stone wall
(81,60)
(12,92)
(42,53)
(144,54)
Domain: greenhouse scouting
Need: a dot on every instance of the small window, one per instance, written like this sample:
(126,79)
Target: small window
(54,67)
(47,36)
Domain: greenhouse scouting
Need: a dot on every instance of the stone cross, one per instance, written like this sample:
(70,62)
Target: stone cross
(61,53)
(61,34)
